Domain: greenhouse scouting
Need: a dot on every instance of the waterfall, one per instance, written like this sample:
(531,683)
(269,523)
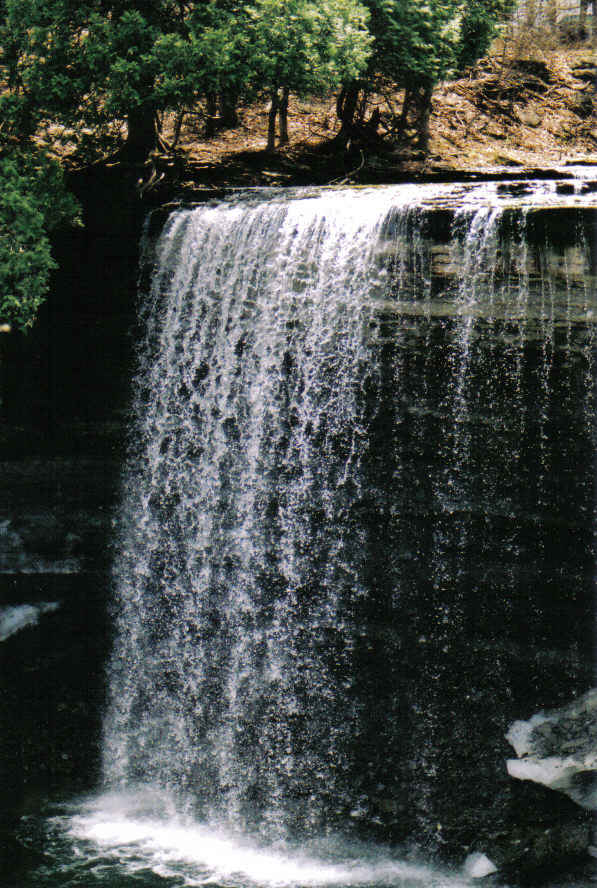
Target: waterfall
(344,462)
(241,557)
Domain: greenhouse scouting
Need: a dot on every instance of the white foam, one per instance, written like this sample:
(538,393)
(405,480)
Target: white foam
(15,618)
(203,854)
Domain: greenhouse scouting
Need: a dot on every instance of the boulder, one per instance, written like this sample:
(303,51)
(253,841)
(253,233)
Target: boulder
(559,750)
(529,117)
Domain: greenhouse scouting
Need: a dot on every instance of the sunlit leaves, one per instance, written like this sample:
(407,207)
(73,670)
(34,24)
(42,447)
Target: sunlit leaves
(33,201)
(307,46)
(419,42)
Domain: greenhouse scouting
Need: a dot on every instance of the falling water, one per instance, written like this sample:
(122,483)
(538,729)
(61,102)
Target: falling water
(242,560)
(344,465)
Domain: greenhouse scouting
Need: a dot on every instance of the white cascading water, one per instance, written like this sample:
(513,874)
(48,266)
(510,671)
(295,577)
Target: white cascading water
(242,570)
(231,678)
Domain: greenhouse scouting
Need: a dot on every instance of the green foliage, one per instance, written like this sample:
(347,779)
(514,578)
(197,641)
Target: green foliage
(419,42)
(306,46)
(221,52)
(412,39)
(82,65)
(33,201)
(119,60)
(478,26)
(345,40)
(87,66)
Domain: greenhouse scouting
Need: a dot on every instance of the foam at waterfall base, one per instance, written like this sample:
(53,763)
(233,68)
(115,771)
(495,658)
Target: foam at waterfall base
(139,832)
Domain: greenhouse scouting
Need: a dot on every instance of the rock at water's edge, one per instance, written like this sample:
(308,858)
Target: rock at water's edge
(559,749)
(477,866)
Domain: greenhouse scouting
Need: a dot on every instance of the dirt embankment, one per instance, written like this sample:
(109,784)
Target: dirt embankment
(519,113)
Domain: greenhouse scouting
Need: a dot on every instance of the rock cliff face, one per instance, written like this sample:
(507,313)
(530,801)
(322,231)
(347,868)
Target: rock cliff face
(65,392)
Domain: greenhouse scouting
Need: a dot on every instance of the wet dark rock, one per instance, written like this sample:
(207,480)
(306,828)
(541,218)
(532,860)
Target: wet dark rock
(545,834)
(540,851)
(557,749)
(16,860)
(64,391)
(514,188)
(61,466)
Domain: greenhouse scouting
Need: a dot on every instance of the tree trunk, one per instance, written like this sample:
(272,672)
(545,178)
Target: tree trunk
(346,106)
(552,13)
(177,128)
(582,17)
(403,120)
(228,113)
(424,102)
(283,112)
(141,137)
(211,111)
(362,105)
(271,124)
(531,14)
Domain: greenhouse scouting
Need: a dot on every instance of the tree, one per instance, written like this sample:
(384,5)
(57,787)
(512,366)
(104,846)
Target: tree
(33,202)
(85,69)
(88,65)
(302,47)
(416,44)
(478,26)
(220,39)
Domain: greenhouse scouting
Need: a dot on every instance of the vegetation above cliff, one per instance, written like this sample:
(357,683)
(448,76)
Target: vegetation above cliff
(268,91)
(532,112)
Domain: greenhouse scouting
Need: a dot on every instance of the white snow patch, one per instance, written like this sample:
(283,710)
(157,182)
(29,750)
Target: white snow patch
(477,866)
(20,616)
(519,734)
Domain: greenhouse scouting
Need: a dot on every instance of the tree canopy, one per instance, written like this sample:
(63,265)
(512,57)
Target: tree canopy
(417,43)
(104,68)
(97,75)
(33,202)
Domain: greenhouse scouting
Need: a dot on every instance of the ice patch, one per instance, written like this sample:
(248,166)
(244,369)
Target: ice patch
(20,616)
(477,866)
(519,734)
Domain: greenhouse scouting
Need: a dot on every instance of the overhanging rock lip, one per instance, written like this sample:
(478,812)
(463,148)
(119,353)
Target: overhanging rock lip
(510,189)
(544,215)
(383,172)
